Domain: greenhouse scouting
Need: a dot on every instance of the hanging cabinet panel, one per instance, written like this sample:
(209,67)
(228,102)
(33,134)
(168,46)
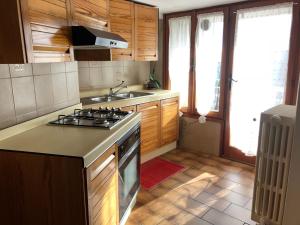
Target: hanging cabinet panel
(90,13)
(46,29)
(122,23)
(146,33)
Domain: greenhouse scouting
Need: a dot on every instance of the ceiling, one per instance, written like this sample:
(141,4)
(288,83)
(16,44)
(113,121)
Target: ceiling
(167,6)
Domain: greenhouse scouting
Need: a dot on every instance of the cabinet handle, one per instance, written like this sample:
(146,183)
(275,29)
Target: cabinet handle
(105,163)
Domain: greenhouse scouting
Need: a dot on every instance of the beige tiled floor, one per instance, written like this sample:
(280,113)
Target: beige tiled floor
(210,191)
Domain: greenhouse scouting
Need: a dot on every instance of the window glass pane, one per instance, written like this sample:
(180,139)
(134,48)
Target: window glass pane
(260,65)
(209,44)
(179,56)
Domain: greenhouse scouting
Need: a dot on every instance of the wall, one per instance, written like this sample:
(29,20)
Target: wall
(109,74)
(31,90)
(291,212)
(200,137)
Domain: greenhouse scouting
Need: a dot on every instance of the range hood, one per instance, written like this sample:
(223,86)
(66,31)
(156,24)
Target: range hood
(89,38)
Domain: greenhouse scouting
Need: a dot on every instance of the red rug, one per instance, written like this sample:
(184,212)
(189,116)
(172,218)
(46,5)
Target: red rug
(157,170)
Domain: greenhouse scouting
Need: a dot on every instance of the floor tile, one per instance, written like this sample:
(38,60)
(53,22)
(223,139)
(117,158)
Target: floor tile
(240,213)
(192,206)
(212,201)
(218,218)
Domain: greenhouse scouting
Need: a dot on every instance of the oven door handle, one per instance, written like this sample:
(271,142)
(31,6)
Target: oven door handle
(128,154)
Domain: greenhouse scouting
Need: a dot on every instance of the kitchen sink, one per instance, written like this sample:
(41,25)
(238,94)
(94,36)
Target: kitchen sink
(132,94)
(119,96)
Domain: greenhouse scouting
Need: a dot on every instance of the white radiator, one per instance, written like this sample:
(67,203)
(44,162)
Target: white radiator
(272,165)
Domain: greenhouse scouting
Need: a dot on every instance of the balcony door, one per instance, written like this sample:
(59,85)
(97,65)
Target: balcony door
(258,74)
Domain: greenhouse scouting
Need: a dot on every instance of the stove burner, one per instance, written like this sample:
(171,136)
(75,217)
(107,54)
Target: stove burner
(102,118)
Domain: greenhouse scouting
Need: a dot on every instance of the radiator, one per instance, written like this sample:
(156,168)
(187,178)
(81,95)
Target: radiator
(272,165)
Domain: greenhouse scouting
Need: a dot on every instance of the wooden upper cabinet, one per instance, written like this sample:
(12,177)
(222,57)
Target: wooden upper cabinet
(169,120)
(122,23)
(35,31)
(90,13)
(150,126)
(146,33)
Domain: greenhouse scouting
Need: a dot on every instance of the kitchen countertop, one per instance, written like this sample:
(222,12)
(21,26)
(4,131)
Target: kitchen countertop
(83,142)
(156,96)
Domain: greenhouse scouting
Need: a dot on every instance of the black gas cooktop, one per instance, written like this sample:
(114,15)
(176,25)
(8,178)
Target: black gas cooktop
(101,118)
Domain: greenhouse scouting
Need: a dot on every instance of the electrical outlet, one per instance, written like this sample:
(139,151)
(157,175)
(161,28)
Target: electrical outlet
(19,67)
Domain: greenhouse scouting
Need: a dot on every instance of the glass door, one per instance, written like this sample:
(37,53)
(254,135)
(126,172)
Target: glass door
(259,74)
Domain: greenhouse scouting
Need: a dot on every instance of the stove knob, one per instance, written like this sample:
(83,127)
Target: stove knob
(113,109)
(107,108)
(119,109)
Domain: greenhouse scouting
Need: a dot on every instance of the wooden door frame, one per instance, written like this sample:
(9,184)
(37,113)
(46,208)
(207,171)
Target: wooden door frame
(229,29)
(292,75)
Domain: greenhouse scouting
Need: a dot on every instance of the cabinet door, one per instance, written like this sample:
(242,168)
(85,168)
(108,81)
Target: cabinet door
(146,33)
(150,126)
(90,13)
(46,30)
(169,120)
(102,185)
(122,23)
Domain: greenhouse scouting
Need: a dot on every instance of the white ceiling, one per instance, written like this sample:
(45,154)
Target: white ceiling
(167,6)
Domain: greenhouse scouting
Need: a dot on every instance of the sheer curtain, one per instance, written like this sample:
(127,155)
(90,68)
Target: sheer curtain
(179,56)
(260,68)
(209,43)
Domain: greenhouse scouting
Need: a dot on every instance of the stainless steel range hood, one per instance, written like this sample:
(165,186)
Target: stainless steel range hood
(89,38)
(95,45)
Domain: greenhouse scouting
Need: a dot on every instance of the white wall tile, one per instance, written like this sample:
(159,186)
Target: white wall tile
(20,70)
(44,93)
(24,98)
(94,64)
(7,112)
(84,77)
(58,67)
(73,87)
(96,77)
(83,64)
(60,91)
(71,66)
(4,71)
(41,68)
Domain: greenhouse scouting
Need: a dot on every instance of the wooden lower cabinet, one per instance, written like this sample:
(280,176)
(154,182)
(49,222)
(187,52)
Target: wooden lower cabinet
(150,126)
(102,190)
(169,120)
(45,189)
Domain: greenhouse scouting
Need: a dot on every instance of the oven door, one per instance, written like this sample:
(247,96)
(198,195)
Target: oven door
(129,177)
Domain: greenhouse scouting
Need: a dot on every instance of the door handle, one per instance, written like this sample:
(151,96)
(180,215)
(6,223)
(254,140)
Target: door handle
(230,80)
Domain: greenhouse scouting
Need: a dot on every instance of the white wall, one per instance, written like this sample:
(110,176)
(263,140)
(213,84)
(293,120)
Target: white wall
(292,209)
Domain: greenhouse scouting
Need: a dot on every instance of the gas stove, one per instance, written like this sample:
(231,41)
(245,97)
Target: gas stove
(101,118)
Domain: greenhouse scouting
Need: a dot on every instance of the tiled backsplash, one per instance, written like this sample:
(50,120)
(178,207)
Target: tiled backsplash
(108,74)
(31,90)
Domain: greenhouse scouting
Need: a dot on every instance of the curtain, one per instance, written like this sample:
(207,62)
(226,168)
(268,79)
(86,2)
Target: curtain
(260,68)
(209,43)
(179,56)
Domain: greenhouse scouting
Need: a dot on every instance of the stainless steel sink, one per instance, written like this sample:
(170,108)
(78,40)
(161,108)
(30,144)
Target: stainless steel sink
(132,94)
(119,96)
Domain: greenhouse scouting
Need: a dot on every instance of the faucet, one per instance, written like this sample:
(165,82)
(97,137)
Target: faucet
(112,92)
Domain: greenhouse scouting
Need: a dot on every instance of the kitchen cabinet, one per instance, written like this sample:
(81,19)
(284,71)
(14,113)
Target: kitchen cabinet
(90,13)
(150,126)
(146,33)
(122,23)
(35,31)
(102,188)
(169,120)
(49,189)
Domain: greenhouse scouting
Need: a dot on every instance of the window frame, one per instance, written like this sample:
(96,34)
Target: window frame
(227,54)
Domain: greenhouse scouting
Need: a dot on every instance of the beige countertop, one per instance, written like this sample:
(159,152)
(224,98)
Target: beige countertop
(156,96)
(83,142)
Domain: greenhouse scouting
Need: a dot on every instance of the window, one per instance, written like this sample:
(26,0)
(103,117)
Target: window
(209,45)
(179,56)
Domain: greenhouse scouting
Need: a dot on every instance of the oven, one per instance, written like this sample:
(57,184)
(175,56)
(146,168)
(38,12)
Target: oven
(129,171)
